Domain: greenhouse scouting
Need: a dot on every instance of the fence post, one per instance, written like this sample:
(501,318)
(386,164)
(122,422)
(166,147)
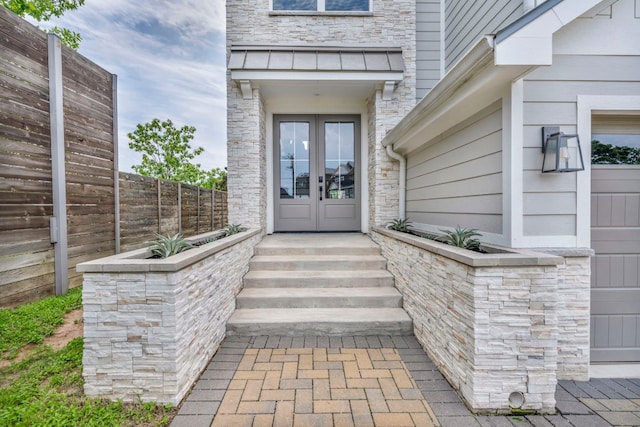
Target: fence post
(198,213)
(116,172)
(179,208)
(159,206)
(58,223)
(213,209)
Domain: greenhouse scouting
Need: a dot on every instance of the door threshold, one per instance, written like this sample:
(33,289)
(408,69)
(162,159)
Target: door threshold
(318,232)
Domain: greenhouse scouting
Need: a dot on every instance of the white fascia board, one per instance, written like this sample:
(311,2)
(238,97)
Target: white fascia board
(568,10)
(316,76)
(533,43)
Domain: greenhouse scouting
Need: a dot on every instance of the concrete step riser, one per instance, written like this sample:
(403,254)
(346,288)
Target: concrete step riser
(322,329)
(276,251)
(336,282)
(317,265)
(319,321)
(329,302)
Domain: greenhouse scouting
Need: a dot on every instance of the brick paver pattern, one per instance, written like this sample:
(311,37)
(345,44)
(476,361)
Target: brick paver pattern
(286,381)
(323,387)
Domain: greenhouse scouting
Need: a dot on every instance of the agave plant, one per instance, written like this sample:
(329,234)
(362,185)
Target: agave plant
(234,229)
(165,246)
(399,224)
(461,237)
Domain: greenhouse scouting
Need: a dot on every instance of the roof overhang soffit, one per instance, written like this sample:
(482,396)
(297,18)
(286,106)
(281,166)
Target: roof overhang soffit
(483,74)
(474,82)
(252,66)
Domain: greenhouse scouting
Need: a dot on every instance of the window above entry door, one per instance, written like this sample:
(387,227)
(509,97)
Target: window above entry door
(321,5)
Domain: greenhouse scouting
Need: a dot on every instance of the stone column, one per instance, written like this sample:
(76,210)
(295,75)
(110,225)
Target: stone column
(246,158)
(383,171)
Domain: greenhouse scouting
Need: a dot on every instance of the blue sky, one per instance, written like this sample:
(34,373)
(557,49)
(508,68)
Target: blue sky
(170,60)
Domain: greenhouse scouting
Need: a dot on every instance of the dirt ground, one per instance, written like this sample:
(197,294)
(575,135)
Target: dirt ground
(71,328)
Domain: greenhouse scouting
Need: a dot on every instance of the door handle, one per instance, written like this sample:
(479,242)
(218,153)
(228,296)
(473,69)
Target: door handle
(321,193)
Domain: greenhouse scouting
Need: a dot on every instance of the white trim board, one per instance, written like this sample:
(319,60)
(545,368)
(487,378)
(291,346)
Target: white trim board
(512,169)
(622,370)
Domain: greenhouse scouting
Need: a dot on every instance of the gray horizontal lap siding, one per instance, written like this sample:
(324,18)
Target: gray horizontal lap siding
(467,21)
(550,99)
(458,180)
(427,46)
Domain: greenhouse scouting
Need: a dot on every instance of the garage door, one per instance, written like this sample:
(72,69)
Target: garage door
(615,269)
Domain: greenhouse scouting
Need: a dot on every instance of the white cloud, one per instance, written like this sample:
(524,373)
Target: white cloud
(170,60)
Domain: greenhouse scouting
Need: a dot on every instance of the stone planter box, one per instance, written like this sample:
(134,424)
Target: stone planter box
(152,325)
(500,326)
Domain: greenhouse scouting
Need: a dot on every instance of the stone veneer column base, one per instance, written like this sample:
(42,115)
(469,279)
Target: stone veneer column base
(494,324)
(574,312)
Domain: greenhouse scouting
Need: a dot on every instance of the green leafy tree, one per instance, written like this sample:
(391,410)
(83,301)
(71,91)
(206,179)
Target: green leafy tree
(614,155)
(167,154)
(166,151)
(44,10)
(215,179)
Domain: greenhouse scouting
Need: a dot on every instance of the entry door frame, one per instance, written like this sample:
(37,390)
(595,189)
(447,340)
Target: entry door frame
(322,208)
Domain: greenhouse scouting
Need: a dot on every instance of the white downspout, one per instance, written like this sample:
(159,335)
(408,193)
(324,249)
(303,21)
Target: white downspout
(402,180)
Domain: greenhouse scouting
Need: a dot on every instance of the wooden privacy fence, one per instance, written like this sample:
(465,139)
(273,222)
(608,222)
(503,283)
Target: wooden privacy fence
(56,161)
(150,206)
(58,170)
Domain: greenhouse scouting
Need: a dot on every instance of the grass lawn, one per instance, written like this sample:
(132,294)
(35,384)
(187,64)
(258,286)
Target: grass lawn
(46,387)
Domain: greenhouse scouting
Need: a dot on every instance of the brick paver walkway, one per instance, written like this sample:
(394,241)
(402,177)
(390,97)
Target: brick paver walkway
(322,387)
(367,381)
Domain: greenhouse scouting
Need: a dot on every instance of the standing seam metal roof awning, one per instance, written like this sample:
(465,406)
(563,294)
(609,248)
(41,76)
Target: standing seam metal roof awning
(383,64)
(316,59)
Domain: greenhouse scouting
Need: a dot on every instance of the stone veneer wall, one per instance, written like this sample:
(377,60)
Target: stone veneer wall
(493,328)
(574,300)
(149,335)
(391,22)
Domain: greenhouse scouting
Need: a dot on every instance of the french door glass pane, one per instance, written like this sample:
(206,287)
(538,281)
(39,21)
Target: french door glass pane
(294,160)
(358,5)
(295,5)
(339,160)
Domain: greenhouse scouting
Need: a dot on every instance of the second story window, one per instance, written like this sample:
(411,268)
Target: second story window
(322,5)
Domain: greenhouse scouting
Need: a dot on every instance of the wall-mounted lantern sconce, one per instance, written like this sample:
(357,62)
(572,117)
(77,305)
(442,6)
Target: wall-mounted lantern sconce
(562,153)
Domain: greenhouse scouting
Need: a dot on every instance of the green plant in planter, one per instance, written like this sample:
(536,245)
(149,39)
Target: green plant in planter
(461,238)
(234,229)
(398,224)
(165,246)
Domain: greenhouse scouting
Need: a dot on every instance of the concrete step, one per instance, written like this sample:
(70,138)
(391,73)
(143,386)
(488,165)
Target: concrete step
(317,279)
(317,244)
(319,321)
(309,249)
(318,298)
(315,262)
